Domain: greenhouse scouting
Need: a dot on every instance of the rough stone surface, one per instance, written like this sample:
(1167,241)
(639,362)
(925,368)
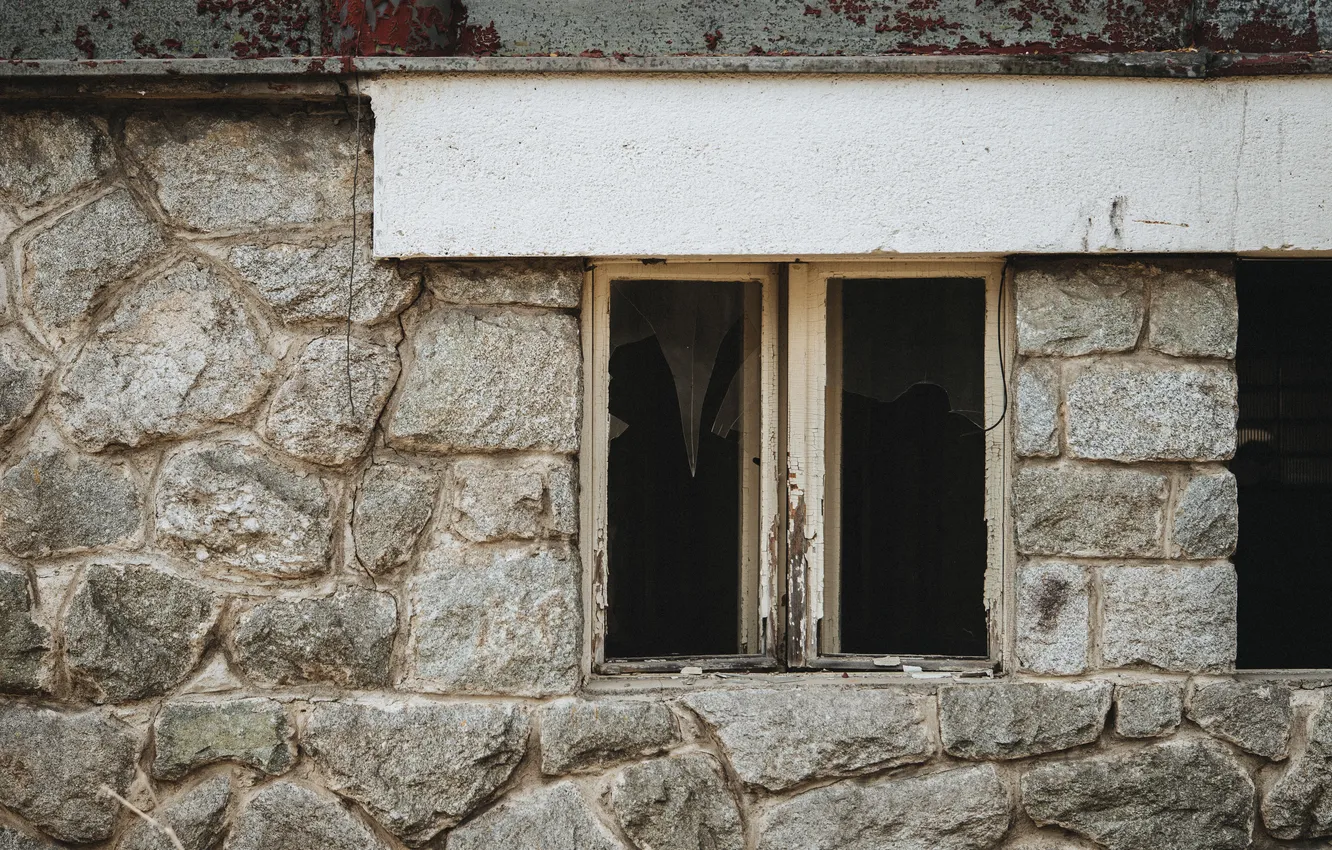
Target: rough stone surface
(780,738)
(1148,709)
(393,505)
(417,768)
(541,283)
(555,817)
(309,284)
(22,374)
(254,732)
(1194,314)
(497,498)
(1207,517)
(187,346)
(1014,720)
(1037,409)
(234,504)
(489,380)
(134,631)
(12,839)
(292,817)
(677,803)
(54,501)
(197,818)
(312,416)
(1054,608)
(1073,307)
(964,809)
(52,767)
(496,621)
(581,734)
(1254,716)
(1182,794)
(1089,511)
(215,171)
(1175,618)
(45,153)
(69,266)
(1296,806)
(1131,413)
(345,639)
(24,643)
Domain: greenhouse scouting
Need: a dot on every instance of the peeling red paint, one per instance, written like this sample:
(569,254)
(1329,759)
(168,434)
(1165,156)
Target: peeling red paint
(269,27)
(712,39)
(83,41)
(1266,26)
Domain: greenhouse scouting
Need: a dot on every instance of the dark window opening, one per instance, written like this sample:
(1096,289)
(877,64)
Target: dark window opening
(1283,463)
(913,539)
(682,368)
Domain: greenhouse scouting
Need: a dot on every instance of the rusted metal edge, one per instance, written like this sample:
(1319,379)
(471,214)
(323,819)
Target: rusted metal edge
(1173,65)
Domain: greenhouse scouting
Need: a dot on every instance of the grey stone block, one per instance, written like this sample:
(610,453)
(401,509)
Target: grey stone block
(345,639)
(1193,313)
(22,375)
(1119,410)
(490,380)
(309,283)
(1067,308)
(46,153)
(189,349)
(1148,709)
(12,839)
(196,817)
(677,803)
(69,266)
(218,171)
(541,283)
(54,501)
(967,808)
(294,817)
(1295,805)
(1037,408)
(1089,511)
(1206,521)
(134,631)
(393,505)
(1053,618)
(581,734)
(552,817)
(501,621)
(1014,720)
(313,415)
(56,764)
(417,767)
(1182,794)
(522,497)
(1254,716)
(778,739)
(24,643)
(1175,618)
(254,732)
(233,504)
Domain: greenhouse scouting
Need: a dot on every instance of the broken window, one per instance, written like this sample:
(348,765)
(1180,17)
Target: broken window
(1283,462)
(906,467)
(792,466)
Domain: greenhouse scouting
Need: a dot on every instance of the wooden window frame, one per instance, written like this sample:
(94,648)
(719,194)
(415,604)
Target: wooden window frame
(762,558)
(789,538)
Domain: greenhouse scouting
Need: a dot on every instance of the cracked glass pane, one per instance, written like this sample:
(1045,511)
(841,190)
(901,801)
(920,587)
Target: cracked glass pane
(912,464)
(683,405)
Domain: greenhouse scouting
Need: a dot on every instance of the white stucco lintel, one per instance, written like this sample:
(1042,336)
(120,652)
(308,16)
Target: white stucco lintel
(588,165)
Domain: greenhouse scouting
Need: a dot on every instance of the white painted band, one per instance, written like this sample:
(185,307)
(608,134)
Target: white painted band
(530,165)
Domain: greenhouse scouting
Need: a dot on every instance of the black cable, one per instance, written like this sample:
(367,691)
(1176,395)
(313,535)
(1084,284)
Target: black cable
(999,335)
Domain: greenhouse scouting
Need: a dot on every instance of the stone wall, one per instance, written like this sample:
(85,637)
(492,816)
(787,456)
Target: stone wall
(287,571)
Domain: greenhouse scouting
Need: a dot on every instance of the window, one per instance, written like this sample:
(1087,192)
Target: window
(1283,462)
(794,466)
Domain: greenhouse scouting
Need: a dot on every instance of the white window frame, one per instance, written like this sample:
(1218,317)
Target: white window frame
(789,540)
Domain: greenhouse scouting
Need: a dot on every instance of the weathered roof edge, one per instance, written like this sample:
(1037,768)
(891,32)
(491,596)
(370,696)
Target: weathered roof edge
(1191,64)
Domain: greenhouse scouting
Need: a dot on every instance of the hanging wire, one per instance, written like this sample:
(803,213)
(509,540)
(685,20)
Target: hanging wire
(999,335)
